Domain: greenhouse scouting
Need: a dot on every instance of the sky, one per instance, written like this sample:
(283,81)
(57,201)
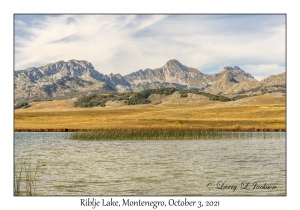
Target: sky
(127,43)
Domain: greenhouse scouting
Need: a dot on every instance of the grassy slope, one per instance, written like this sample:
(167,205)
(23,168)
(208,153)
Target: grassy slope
(260,112)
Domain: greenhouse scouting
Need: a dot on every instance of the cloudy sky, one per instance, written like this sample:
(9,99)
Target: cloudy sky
(127,43)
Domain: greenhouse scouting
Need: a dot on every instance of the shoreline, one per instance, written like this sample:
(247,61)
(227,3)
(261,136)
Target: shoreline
(234,129)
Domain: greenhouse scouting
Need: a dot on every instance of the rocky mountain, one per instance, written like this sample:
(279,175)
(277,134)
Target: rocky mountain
(69,79)
(273,80)
(59,80)
(274,83)
(173,73)
(231,81)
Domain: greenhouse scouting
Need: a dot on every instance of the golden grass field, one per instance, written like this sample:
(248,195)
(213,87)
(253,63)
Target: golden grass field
(259,113)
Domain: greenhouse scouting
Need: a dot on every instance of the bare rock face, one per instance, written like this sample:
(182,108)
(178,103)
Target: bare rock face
(172,74)
(232,81)
(58,80)
(240,85)
(62,80)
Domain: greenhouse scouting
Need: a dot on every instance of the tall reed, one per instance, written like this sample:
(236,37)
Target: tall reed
(26,174)
(163,134)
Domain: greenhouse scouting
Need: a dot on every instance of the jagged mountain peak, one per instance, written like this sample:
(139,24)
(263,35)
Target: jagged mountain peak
(173,62)
(69,62)
(71,68)
(229,68)
(60,63)
(82,61)
(175,65)
(236,72)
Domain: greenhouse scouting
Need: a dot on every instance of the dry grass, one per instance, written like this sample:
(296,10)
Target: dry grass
(251,114)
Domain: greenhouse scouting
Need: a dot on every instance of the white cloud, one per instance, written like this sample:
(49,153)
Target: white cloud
(123,44)
(263,71)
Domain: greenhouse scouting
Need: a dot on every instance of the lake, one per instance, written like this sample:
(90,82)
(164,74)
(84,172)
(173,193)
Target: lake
(254,166)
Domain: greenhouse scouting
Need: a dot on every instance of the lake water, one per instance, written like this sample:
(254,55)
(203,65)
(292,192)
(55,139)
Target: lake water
(256,166)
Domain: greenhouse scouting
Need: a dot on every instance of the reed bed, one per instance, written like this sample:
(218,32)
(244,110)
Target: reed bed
(25,178)
(168,134)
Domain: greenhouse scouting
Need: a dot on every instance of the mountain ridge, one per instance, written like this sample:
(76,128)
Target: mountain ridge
(66,79)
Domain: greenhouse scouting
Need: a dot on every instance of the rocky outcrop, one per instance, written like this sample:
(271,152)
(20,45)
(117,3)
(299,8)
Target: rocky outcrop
(172,74)
(58,81)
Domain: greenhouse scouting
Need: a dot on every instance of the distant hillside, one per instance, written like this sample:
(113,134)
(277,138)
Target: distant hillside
(142,97)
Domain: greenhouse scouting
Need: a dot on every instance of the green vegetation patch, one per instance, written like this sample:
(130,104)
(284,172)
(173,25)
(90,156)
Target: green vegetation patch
(92,100)
(21,105)
(131,98)
(50,89)
(184,93)
(142,97)
(215,97)
(266,89)
(240,97)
